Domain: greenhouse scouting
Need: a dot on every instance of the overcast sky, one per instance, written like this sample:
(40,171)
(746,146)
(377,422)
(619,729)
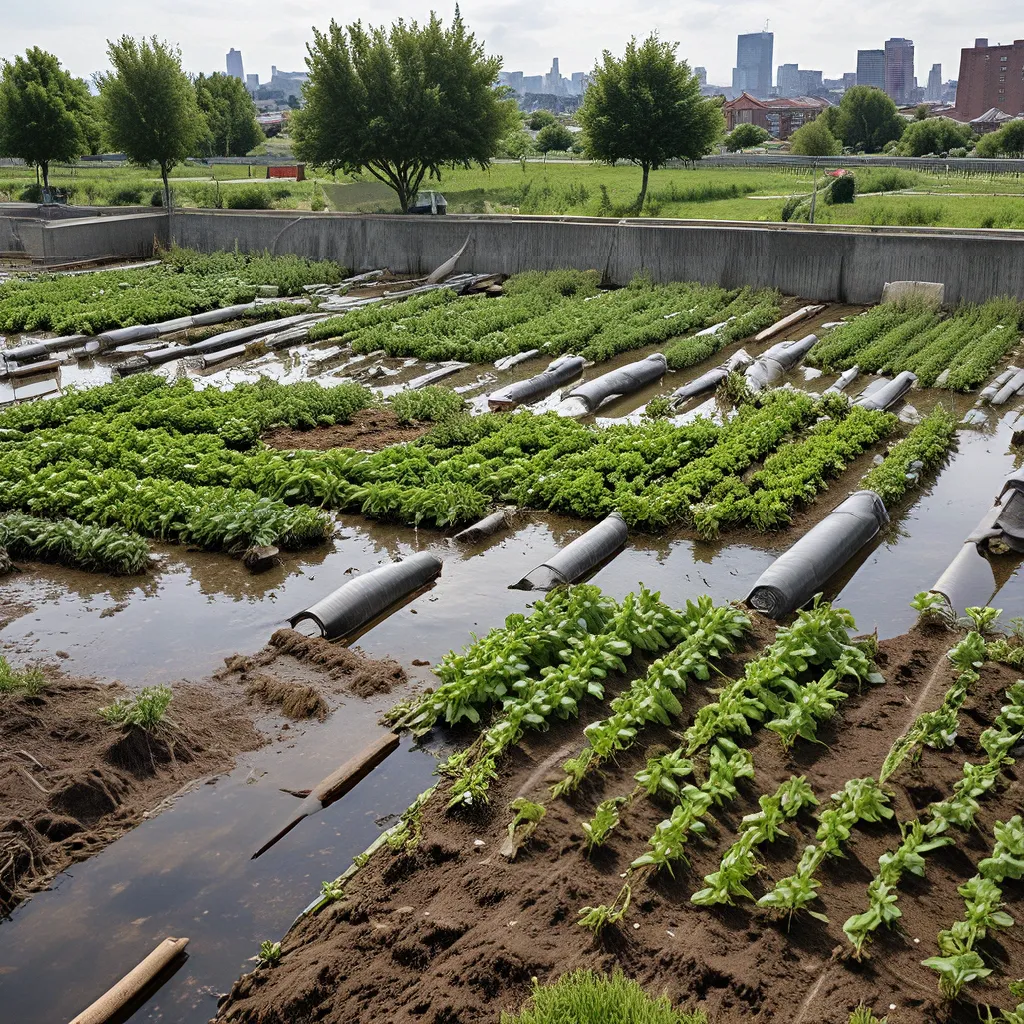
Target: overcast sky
(814,34)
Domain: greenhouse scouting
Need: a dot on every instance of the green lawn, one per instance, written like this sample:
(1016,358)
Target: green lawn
(583,189)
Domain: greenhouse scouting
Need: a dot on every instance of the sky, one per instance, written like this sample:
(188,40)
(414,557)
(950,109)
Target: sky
(815,34)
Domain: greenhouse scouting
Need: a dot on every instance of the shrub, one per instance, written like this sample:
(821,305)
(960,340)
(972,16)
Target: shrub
(885,179)
(586,997)
(146,709)
(31,194)
(842,191)
(129,195)
(248,197)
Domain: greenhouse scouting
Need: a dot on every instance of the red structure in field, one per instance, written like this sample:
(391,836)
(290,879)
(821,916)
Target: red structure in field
(296,171)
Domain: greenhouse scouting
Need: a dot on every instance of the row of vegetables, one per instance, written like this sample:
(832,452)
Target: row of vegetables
(538,667)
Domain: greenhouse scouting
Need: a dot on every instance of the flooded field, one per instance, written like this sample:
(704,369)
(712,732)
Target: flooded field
(188,870)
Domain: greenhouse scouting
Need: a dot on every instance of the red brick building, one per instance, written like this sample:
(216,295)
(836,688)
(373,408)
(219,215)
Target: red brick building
(780,118)
(990,77)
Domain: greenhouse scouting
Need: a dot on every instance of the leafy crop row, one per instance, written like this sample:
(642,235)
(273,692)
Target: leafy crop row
(556,312)
(69,543)
(957,352)
(185,282)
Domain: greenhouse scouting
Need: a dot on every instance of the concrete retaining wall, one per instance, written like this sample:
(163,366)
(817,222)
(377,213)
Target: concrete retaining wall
(844,265)
(128,236)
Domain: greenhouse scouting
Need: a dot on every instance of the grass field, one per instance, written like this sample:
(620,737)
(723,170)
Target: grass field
(577,188)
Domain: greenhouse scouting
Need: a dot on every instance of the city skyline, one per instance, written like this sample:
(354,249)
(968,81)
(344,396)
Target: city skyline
(576,32)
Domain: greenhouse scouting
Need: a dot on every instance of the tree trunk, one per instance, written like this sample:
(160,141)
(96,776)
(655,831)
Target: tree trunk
(46,173)
(643,189)
(167,187)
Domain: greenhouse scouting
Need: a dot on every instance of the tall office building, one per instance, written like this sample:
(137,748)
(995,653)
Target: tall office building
(991,77)
(933,93)
(753,71)
(553,79)
(899,70)
(787,80)
(235,64)
(252,83)
(702,76)
(871,68)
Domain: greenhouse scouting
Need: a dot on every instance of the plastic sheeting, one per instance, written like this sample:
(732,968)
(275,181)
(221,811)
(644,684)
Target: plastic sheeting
(559,372)
(1009,389)
(788,321)
(579,557)
(800,573)
(709,381)
(889,393)
(359,601)
(623,381)
(773,364)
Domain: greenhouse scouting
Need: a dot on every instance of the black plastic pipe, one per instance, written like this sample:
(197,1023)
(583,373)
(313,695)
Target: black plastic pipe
(709,381)
(800,573)
(773,364)
(623,381)
(362,599)
(559,372)
(579,557)
(889,393)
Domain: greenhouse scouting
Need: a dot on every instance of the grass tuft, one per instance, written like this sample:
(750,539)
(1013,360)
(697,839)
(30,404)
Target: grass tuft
(147,709)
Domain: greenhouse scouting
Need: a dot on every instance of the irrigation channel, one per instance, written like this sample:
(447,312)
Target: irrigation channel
(188,870)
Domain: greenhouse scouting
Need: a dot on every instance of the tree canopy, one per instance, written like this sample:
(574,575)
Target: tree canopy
(149,105)
(401,103)
(230,116)
(646,107)
(814,139)
(46,115)
(743,136)
(1008,141)
(540,119)
(865,119)
(934,135)
(554,138)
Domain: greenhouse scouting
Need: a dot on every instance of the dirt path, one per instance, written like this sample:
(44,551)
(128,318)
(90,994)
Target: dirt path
(452,933)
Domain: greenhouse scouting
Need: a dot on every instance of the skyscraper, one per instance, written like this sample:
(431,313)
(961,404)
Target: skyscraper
(933,93)
(702,76)
(899,70)
(235,64)
(753,71)
(787,79)
(871,68)
(553,79)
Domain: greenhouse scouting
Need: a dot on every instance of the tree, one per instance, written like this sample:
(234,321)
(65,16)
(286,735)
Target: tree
(814,139)
(149,106)
(744,136)
(45,114)
(516,145)
(554,137)
(647,108)
(540,119)
(1008,141)
(934,135)
(867,119)
(230,115)
(401,103)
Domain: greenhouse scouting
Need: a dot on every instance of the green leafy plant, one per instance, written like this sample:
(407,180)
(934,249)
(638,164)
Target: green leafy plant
(27,681)
(269,954)
(145,710)
(605,819)
(596,919)
(957,971)
(406,836)
(863,1015)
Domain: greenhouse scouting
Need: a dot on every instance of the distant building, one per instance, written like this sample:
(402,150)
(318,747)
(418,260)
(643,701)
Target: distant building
(899,70)
(288,82)
(701,73)
(753,71)
(234,61)
(787,79)
(850,79)
(533,83)
(553,79)
(580,81)
(871,68)
(991,78)
(933,92)
(779,117)
(252,82)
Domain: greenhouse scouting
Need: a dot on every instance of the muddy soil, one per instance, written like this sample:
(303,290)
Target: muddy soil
(452,932)
(370,430)
(70,784)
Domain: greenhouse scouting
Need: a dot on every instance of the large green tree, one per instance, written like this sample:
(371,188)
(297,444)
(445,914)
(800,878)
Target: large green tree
(865,119)
(814,139)
(553,138)
(230,116)
(401,103)
(1008,141)
(149,105)
(744,136)
(646,107)
(934,135)
(46,116)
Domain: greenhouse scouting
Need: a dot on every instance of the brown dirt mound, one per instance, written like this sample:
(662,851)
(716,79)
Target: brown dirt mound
(360,675)
(370,430)
(452,933)
(294,699)
(70,784)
